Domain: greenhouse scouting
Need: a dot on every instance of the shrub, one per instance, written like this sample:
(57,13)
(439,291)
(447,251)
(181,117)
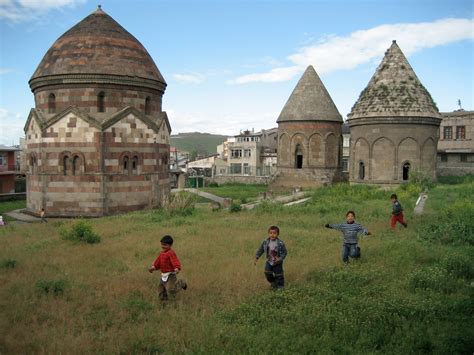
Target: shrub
(235,207)
(458,265)
(55,287)
(421,179)
(180,204)
(8,264)
(213,184)
(80,232)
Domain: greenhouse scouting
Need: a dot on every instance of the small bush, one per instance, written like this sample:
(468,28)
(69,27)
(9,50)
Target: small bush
(422,179)
(180,204)
(235,207)
(8,264)
(55,287)
(458,265)
(213,184)
(80,232)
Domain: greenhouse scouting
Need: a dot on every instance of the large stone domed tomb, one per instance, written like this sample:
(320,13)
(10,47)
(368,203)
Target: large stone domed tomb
(309,136)
(97,141)
(394,125)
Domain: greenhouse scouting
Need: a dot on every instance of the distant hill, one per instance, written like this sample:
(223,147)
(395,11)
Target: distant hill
(203,143)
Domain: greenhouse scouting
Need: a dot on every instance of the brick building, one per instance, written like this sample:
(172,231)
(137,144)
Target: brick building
(9,169)
(393,125)
(309,136)
(97,141)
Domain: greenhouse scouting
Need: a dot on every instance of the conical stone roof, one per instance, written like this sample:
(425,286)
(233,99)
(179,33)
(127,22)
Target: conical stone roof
(394,90)
(310,101)
(98,45)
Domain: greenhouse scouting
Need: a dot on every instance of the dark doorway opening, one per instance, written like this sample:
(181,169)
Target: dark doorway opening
(406,171)
(361,170)
(298,157)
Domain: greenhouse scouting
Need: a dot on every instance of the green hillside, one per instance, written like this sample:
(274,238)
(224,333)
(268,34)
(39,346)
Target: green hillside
(202,143)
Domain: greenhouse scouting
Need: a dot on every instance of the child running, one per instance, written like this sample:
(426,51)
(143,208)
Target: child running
(275,250)
(350,231)
(397,213)
(169,265)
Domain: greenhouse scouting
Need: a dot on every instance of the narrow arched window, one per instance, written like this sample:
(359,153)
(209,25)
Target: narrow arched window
(51,103)
(134,164)
(76,165)
(65,164)
(406,171)
(298,157)
(361,170)
(147,105)
(125,165)
(101,102)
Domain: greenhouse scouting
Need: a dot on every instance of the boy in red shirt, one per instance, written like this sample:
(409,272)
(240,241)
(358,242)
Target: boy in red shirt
(169,265)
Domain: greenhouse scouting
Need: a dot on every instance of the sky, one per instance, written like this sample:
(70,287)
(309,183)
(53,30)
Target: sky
(231,65)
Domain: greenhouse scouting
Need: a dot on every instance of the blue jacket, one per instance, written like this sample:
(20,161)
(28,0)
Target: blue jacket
(281,249)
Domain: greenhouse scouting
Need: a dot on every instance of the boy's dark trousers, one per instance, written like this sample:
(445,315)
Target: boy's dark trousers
(351,250)
(169,289)
(274,274)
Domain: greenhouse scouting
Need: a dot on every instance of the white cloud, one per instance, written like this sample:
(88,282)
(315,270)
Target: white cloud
(193,78)
(28,10)
(5,71)
(338,53)
(11,127)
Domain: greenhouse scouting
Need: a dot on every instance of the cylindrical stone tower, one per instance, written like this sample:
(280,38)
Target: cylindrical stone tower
(394,125)
(97,141)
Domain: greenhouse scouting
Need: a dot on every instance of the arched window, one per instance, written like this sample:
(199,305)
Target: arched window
(65,164)
(101,102)
(406,171)
(135,164)
(76,165)
(51,103)
(298,157)
(33,164)
(147,105)
(361,170)
(125,165)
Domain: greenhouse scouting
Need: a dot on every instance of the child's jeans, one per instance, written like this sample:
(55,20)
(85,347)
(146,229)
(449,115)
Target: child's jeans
(274,274)
(397,218)
(351,250)
(169,289)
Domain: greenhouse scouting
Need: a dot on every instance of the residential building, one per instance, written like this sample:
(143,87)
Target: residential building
(456,143)
(9,168)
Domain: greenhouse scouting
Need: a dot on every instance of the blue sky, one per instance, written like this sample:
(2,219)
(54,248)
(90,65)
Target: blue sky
(231,65)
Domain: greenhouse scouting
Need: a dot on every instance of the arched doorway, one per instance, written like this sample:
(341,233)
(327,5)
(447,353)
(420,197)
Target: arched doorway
(361,170)
(406,171)
(298,157)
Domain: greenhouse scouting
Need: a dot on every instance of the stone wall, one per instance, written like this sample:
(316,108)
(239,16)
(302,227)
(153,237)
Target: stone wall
(383,149)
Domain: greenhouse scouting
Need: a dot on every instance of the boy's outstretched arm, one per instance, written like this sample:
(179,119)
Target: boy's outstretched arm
(327,225)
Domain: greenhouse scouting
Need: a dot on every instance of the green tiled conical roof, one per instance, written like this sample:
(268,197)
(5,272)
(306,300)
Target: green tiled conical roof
(394,90)
(310,101)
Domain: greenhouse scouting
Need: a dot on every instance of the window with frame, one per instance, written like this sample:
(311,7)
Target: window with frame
(247,153)
(461,132)
(246,169)
(345,164)
(147,105)
(236,168)
(444,158)
(236,153)
(464,158)
(448,132)
(3,160)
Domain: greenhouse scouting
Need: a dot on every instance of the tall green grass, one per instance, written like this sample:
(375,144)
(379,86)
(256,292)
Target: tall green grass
(409,293)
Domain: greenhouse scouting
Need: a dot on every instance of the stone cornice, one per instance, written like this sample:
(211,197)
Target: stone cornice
(431,121)
(68,79)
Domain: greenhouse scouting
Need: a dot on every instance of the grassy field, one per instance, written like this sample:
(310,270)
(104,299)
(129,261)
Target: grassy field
(241,193)
(411,292)
(10,206)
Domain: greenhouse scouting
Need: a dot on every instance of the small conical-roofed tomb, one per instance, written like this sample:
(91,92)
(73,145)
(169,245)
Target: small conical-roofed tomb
(97,141)
(394,125)
(309,136)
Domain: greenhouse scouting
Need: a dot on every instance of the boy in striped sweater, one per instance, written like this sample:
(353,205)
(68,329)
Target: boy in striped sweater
(350,231)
